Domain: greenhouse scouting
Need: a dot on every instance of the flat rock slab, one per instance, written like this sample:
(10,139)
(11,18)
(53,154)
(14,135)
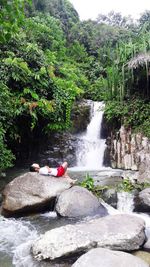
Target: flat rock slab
(117,232)
(100,257)
(78,202)
(30,190)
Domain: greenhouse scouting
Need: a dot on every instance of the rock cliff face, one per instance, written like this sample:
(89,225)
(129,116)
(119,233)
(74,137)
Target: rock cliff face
(129,151)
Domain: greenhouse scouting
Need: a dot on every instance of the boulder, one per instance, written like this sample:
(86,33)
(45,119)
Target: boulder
(100,257)
(110,197)
(142,201)
(117,232)
(32,192)
(77,202)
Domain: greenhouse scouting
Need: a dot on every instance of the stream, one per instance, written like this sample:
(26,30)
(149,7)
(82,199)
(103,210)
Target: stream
(17,235)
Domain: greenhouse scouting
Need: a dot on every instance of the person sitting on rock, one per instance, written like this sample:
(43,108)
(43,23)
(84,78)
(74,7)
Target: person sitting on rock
(60,171)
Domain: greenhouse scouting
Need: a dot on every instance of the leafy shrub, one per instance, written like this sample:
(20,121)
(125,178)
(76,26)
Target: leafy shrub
(88,183)
(6,156)
(126,185)
(134,113)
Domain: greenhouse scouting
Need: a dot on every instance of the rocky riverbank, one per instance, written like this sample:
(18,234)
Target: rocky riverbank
(105,234)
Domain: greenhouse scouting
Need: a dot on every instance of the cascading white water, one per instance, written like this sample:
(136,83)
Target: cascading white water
(125,202)
(91,148)
(16,237)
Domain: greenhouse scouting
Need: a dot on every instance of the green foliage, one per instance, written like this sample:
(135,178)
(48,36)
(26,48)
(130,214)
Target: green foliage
(60,9)
(42,87)
(134,113)
(126,185)
(6,106)
(77,51)
(144,20)
(99,90)
(88,183)
(116,19)
(6,117)
(67,90)
(40,78)
(46,32)
(11,17)
(6,156)
(49,59)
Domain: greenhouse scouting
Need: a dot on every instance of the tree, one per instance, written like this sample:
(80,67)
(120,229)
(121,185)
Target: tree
(115,19)
(144,20)
(11,17)
(60,9)
(6,120)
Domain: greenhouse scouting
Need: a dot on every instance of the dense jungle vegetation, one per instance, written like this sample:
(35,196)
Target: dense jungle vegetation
(50,59)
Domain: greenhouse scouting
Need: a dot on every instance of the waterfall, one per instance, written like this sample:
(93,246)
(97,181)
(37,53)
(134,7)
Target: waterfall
(90,150)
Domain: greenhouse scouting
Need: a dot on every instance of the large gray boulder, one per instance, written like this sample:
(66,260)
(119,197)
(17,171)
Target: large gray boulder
(117,232)
(77,202)
(31,192)
(100,257)
(142,201)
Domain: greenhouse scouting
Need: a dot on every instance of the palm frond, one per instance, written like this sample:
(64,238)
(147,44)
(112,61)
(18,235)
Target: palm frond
(139,61)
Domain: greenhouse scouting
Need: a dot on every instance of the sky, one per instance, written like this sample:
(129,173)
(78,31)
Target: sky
(89,9)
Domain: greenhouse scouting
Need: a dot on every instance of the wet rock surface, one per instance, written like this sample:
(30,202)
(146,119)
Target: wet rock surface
(59,148)
(32,192)
(110,197)
(78,202)
(142,201)
(117,232)
(80,116)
